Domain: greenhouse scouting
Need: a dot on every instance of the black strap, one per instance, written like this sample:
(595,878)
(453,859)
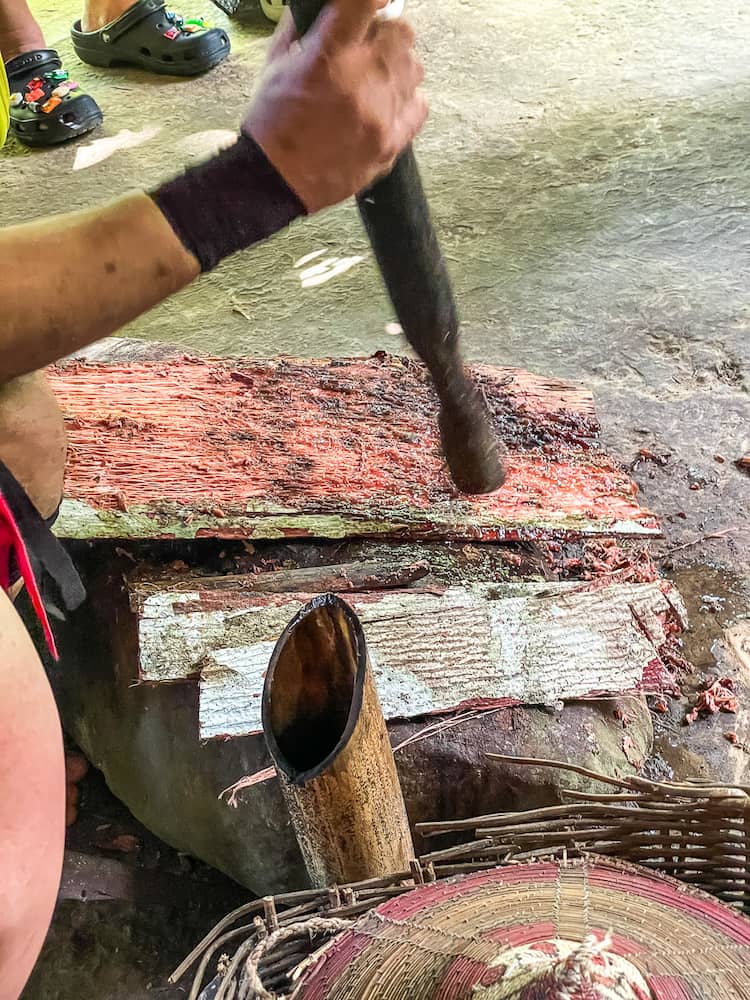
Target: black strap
(45,551)
(31,64)
(132,16)
(235,199)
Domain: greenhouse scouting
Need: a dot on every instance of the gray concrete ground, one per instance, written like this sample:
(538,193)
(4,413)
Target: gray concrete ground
(587,164)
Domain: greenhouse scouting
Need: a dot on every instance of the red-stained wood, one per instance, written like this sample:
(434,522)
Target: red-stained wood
(330,448)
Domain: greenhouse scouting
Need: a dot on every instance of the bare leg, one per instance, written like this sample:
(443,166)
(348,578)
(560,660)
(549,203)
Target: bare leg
(19,31)
(32,803)
(97,13)
(32,768)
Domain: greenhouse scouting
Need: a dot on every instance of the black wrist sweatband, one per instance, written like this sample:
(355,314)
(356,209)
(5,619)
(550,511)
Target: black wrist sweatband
(226,204)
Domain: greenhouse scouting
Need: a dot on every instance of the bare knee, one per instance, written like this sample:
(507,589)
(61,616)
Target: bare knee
(32,439)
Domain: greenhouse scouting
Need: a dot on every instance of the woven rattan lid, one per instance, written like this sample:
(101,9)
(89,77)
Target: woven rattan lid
(598,929)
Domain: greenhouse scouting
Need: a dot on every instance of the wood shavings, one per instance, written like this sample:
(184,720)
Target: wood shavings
(718,697)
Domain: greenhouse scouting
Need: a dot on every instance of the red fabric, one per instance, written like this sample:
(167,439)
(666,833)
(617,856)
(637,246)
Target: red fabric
(11,543)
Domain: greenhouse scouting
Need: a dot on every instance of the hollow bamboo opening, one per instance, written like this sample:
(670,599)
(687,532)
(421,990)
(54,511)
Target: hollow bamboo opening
(313,691)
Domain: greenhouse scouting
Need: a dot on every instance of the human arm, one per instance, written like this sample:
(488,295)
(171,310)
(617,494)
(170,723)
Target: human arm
(332,114)
(93,272)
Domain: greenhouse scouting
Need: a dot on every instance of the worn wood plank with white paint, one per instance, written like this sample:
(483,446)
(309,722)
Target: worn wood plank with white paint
(533,643)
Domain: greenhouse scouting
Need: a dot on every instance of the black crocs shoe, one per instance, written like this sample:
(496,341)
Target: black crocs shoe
(46,106)
(153,38)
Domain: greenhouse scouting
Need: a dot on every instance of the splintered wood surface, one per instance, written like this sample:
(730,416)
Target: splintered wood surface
(532,643)
(285,448)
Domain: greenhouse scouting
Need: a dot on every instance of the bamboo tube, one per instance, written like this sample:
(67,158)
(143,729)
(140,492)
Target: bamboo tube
(326,734)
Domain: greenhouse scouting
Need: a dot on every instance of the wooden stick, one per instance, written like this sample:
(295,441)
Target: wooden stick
(355,576)
(693,789)
(633,782)
(329,743)
(475,847)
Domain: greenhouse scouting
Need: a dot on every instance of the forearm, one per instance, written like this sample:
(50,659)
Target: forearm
(329,118)
(70,280)
(77,278)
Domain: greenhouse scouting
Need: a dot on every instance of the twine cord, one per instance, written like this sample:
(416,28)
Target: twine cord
(251,985)
(578,969)
(558,969)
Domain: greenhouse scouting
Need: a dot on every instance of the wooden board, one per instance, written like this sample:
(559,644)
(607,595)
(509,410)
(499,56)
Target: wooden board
(269,449)
(530,643)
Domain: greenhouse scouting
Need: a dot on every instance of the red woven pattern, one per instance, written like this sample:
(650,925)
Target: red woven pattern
(450,941)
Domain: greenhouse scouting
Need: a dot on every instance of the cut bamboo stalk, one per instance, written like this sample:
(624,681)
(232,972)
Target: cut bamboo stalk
(326,734)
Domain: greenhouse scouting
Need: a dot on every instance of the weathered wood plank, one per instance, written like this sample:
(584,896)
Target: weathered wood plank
(532,643)
(339,578)
(271,449)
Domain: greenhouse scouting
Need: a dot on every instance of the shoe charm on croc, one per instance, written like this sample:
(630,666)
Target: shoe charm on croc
(47,107)
(188,25)
(45,93)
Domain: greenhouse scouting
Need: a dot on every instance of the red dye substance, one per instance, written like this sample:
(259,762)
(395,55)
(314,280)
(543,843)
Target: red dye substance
(658,679)
(355,437)
(719,696)
(605,557)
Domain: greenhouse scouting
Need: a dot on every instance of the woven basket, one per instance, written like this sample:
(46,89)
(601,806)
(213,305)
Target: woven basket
(458,939)
(695,833)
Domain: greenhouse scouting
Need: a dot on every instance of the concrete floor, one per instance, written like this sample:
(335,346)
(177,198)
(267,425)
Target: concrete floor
(587,165)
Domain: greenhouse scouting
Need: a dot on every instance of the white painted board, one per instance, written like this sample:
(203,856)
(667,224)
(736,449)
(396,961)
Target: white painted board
(535,643)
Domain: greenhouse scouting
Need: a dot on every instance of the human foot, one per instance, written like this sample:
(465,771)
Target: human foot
(97,13)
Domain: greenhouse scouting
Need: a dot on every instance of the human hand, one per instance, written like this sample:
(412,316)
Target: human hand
(335,109)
